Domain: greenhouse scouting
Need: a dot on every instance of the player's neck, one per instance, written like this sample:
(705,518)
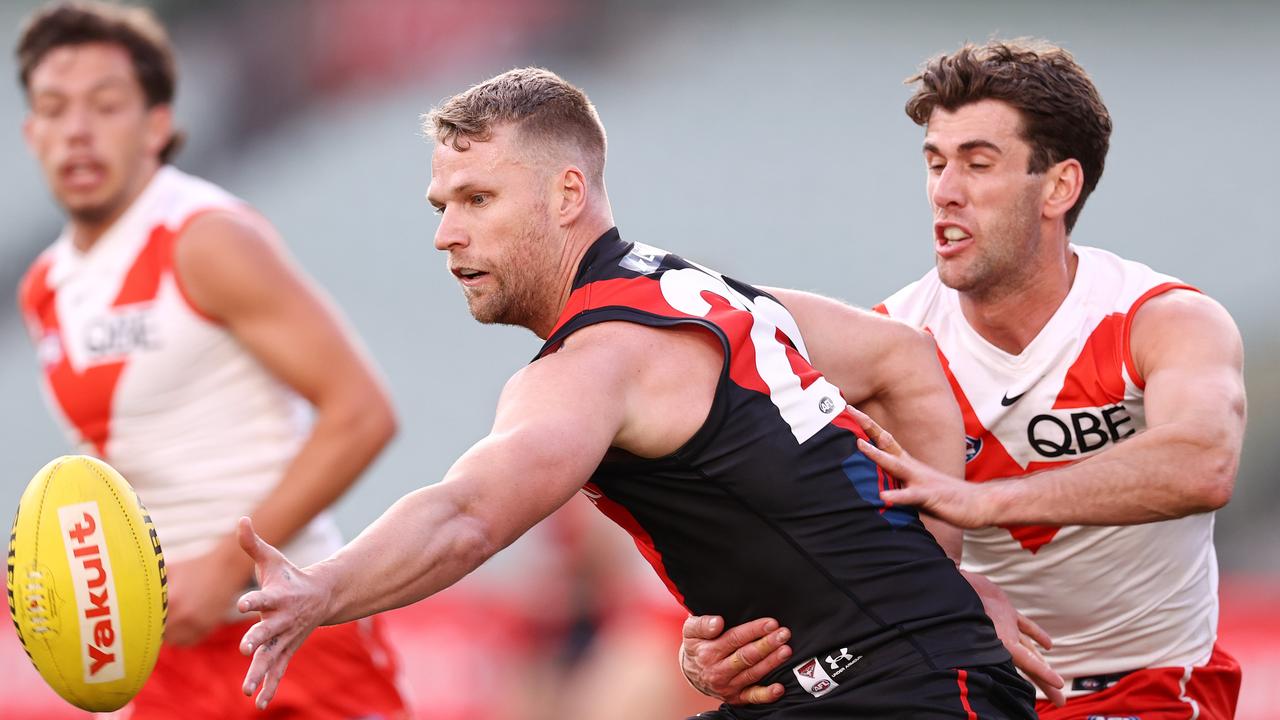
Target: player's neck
(86,231)
(1011,315)
(580,238)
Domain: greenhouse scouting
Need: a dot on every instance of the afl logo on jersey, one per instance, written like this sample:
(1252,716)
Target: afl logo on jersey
(972,446)
(826,405)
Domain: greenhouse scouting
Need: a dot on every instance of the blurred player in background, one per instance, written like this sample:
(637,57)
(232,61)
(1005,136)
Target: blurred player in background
(180,343)
(1120,389)
(684,404)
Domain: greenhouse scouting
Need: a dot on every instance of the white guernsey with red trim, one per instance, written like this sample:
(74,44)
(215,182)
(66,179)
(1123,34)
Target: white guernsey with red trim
(1115,598)
(141,378)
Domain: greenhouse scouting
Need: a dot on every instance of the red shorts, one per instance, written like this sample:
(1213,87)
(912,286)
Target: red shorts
(1169,693)
(340,672)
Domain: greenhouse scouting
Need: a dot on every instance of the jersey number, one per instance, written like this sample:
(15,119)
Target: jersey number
(806,409)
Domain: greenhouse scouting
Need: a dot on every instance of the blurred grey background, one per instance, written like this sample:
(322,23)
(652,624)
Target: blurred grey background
(764,139)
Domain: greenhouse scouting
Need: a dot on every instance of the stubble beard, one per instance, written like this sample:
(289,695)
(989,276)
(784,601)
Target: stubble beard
(521,290)
(1006,257)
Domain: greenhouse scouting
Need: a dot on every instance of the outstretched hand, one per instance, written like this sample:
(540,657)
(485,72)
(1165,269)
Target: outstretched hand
(728,664)
(290,605)
(960,503)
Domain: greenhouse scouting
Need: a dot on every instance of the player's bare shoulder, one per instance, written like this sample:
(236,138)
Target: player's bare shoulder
(666,378)
(226,259)
(1164,323)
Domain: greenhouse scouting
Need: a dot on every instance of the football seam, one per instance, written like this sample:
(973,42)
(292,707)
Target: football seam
(146,568)
(67,686)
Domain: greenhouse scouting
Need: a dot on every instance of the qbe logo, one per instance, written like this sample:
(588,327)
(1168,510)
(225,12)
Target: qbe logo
(97,610)
(1078,431)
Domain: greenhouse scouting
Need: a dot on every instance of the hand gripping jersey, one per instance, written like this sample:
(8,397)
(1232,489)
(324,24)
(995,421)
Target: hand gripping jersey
(1115,598)
(141,378)
(770,509)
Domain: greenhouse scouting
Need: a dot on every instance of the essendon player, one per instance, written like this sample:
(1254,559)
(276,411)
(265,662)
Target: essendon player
(688,407)
(177,341)
(1116,390)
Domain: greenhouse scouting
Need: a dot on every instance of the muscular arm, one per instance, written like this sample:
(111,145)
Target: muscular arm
(235,271)
(1189,350)
(891,372)
(556,419)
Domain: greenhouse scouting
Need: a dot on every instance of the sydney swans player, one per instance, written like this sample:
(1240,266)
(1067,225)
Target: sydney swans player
(1115,389)
(178,342)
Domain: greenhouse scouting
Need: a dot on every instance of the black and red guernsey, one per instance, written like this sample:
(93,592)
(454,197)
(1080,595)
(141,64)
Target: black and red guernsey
(770,509)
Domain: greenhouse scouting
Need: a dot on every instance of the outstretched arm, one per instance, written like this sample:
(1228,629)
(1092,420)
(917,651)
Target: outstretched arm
(1189,350)
(548,437)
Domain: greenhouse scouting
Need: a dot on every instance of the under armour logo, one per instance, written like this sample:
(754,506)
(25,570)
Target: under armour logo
(834,661)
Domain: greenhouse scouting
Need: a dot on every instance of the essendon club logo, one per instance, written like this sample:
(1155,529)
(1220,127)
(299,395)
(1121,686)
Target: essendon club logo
(97,608)
(807,668)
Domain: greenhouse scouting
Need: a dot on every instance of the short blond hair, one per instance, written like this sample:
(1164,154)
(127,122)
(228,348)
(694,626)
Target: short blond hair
(544,107)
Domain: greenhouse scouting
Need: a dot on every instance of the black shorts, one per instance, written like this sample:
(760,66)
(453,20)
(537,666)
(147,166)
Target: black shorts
(988,692)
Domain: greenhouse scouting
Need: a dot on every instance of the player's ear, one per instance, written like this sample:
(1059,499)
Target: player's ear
(1062,185)
(28,130)
(571,191)
(159,128)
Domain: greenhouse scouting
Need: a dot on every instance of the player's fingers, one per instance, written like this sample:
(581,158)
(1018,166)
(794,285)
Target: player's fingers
(881,437)
(765,665)
(1035,668)
(261,634)
(271,681)
(254,546)
(1033,665)
(1028,627)
(259,665)
(740,636)
(891,463)
(759,695)
(703,627)
(904,496)
(256,601)
(1055,695)
(758,649)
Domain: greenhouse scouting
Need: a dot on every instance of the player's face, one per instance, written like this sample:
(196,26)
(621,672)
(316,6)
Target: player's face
(495,222)
(986,206)
(91,130)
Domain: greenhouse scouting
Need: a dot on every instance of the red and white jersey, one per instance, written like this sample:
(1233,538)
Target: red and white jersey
(1113,598)
(141,378)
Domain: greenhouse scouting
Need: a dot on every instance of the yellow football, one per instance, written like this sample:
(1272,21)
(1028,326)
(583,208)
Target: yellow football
(86,582)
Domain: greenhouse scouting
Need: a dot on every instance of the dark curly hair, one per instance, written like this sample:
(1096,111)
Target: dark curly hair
(135,29)
(1062,114)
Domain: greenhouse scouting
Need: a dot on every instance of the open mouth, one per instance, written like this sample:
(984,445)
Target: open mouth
(82,174)
(468,276)
(950,238)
